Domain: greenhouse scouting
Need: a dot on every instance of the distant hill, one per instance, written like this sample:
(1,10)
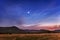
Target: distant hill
(14,30)
(57,31)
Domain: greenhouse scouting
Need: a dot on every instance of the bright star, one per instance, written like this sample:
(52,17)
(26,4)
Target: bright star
(28,12)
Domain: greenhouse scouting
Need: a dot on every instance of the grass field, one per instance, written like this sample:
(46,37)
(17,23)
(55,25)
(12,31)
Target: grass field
(43,36)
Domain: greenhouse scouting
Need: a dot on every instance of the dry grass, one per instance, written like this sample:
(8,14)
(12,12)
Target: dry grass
(44,36)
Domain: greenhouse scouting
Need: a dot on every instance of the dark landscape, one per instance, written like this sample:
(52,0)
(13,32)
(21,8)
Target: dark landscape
(16,30)
(15,33)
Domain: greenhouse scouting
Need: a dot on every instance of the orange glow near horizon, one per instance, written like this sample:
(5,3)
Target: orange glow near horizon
(50,27)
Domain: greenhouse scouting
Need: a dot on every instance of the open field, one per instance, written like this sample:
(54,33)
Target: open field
(43,36)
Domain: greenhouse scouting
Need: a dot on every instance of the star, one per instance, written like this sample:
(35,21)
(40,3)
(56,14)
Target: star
(28,12)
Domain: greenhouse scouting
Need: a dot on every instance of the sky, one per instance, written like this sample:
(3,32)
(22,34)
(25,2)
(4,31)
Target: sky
(28,12)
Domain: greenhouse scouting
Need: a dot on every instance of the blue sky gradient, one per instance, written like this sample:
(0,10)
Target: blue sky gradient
(15,12)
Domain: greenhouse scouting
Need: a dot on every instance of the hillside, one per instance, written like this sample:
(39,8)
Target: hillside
(16,30)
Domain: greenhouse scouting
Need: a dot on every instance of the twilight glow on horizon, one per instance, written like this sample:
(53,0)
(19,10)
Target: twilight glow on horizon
(29,12)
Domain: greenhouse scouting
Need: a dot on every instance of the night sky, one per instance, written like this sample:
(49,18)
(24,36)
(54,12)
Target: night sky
(28,12)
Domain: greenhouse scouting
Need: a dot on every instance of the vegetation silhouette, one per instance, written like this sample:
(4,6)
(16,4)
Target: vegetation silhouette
(15,30)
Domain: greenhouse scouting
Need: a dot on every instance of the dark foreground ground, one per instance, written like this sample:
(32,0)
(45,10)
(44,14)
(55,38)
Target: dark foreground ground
(43,36)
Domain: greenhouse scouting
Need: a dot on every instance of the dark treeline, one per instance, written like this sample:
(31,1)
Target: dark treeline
(15,30)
